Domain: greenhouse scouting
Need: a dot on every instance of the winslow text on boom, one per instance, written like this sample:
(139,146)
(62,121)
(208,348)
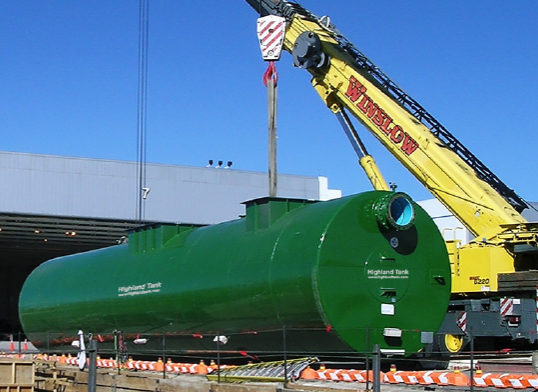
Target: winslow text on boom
(356,92)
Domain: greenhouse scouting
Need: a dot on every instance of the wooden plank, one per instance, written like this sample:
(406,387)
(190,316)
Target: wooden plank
(295,387)
(23,373)
(244,387)
(69,380)
(5,373)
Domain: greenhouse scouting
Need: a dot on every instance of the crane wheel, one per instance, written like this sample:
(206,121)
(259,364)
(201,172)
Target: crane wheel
(453,343)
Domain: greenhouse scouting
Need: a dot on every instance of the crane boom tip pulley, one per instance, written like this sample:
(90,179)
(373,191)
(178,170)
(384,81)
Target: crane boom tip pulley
(271,30)
(307,52)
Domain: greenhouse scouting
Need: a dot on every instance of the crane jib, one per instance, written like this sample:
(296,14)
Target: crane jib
(356,92)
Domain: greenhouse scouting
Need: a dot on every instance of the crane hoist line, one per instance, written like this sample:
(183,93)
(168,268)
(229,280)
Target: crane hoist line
(142,103)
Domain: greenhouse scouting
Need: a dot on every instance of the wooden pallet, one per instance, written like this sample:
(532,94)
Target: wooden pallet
(16,376)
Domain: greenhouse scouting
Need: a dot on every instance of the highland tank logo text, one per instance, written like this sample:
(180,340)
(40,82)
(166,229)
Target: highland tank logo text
(140,289)
(387,274)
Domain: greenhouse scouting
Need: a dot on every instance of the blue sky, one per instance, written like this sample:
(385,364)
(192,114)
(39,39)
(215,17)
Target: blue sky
(68,74)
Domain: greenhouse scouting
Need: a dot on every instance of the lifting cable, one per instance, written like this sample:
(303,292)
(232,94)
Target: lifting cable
(143,32)
(271,30)
(270,78)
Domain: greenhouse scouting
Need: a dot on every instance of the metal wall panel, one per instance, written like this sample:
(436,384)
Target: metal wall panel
(67,186)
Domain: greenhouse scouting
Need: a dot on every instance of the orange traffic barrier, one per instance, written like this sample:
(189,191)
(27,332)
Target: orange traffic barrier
(497,380)
(425,378)
(159,365)
(182,368)
(331,376)
(344,375)
(168,365)
(410,378)
(130,364)
(334,374)
(518,381)
(400,377)
(322,372)
(357,375)
(457,378)
(393,376)
(309,374)
(110,363)
(193,368)
(440,378)
(363,376)
(144,365)
(213,365)
(479,377)
(71,360)
(480,380)
(201,368)
(532,380)
(389,376)
(354,374)
(172,367)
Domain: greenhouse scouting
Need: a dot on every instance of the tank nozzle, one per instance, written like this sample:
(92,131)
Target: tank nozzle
(395,210)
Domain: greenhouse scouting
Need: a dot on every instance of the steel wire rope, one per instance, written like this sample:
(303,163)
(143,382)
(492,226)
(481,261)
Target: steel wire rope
(143,34)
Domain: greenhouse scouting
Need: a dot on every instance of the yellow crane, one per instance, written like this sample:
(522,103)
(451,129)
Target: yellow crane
(494,282)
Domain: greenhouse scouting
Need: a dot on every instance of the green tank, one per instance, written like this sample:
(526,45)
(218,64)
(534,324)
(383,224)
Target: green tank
(335,275)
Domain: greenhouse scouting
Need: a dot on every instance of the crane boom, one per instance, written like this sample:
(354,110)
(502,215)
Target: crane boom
(345,77)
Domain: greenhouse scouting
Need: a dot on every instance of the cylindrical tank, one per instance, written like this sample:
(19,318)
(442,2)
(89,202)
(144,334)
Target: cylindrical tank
(337,275)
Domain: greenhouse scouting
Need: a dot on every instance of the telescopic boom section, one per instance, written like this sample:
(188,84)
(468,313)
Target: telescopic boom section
(345,78)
